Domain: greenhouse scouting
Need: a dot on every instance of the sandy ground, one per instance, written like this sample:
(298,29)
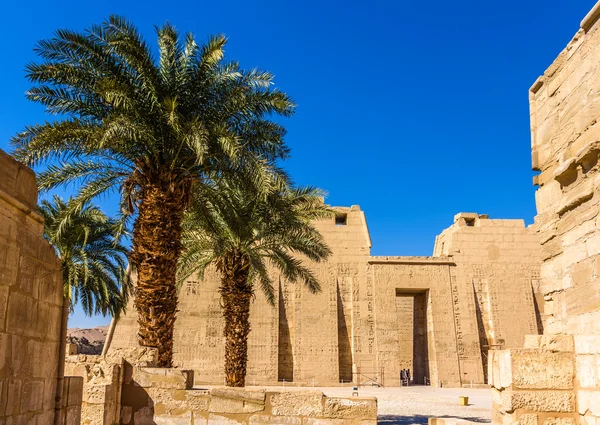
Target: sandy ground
(414,405)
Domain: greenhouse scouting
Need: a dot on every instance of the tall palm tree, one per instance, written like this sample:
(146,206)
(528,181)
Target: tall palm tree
(151,129)
(241,235)
(92,260)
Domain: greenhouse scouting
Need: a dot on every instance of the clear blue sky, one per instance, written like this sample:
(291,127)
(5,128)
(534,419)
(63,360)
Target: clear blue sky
(414,110)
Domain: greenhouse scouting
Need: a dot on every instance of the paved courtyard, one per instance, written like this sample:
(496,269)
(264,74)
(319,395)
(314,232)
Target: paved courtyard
(414,405)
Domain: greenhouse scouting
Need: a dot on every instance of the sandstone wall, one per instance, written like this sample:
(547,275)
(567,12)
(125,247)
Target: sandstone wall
(31,301)
(495,286)
(565,106)
(375,315)
(559,372)
(281,345)
(411,277)
(166,396)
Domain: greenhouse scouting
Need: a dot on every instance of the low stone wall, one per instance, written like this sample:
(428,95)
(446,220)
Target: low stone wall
(165,396)
(102,380)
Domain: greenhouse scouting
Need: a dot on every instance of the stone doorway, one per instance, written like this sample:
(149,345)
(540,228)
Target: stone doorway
(411,313)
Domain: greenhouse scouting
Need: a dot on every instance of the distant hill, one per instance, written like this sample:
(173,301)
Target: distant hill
(89,341)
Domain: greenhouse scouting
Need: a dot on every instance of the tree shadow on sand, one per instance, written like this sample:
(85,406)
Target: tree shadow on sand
(421,419)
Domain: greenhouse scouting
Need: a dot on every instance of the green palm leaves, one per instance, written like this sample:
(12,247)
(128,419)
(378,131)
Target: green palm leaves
(153,129)
(247,236)
(93,262)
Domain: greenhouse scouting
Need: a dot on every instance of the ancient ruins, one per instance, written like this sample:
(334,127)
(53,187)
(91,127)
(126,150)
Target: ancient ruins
(555,378)
(499,303)
(33,325)
(436,316)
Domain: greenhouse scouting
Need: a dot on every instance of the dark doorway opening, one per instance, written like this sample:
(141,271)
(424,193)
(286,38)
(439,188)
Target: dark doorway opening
(411,312)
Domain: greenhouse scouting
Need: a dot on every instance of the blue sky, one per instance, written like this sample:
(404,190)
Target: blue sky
(413,110)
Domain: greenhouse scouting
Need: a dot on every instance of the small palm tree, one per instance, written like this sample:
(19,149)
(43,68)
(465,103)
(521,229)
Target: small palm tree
(241,234)
(151,129)
(92,261)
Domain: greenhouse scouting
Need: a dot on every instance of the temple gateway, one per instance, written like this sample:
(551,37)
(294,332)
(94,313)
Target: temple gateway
(436,316)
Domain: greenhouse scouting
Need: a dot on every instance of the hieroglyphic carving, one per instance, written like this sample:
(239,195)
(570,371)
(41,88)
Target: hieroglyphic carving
(353,320)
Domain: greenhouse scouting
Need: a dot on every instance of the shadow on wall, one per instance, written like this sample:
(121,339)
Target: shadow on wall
(421,419)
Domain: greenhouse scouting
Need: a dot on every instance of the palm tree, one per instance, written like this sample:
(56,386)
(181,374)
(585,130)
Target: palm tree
(241,234)
(92,261)
(152,129)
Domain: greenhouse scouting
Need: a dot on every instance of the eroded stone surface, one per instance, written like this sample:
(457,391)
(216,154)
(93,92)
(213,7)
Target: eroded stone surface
(297,403)
(31,300)
(437,316)
(335,407)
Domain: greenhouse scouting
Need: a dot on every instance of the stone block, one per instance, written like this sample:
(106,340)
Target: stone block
(73,415)
(226,400)
(528,419)
(198,400)
(144,416)
(587,344)
(167,400)
(93,414)
(350,408)
(318,421)
(588,401)
(532,341)
(559,421)
(73,390)
(136,356)
(174,420)
(274,420)
(149,377)
(224,420)
(18,181)
(538,401)
(557,342)
(500,369)
(302,403)
(95,394)
(32,398)
(542,369)
(11,396)
(587,370)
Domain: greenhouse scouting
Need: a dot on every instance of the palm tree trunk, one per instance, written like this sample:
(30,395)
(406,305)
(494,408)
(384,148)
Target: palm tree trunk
(156,249)
(236,295)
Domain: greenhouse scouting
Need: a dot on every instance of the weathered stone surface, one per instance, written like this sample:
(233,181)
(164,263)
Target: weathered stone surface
(435,305)
(223,400)
(137,356)
(559,421)
(174,420)
(538,401)
(223,420)
(274,420)
(31,299)
(588,401)
(500,369)
(301,403)
(198,400)
(587,344)
(350,407)
(542,369)
(163,378)
(316,421)
(528,419)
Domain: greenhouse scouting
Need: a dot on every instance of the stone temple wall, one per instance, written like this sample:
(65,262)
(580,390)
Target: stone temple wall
(31,302)
(437,316)
(556,377)
(496,280)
